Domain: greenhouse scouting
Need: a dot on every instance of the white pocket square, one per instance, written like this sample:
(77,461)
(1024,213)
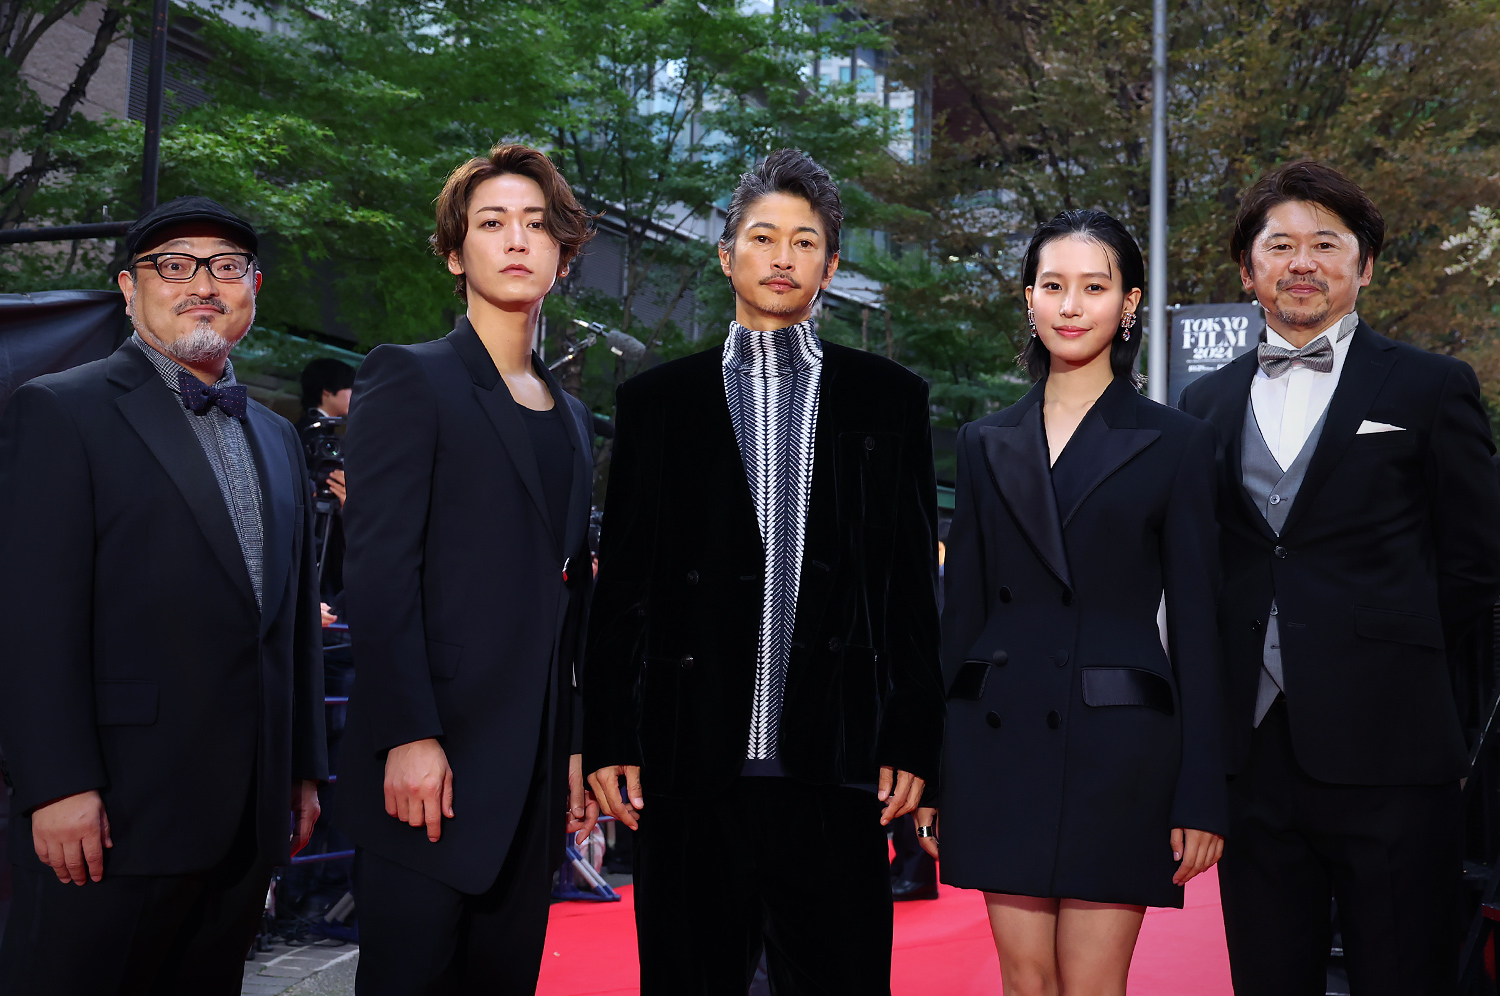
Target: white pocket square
(1368,427)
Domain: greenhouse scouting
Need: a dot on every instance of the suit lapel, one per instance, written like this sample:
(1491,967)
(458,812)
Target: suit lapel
(1365,368)
(580,434)
(1021,471)
(495,398)
(820,541)
(1104,452)
(156,416)
(273,466)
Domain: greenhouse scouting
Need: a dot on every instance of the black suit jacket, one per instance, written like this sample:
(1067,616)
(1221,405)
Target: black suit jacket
(670,673)
(1392,548)
(1065,771)
(462,625)
(135,660)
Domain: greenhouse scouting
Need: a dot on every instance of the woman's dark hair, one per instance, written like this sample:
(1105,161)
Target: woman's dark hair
(324,374)
(1311,181)
(1109,233)
(787,171)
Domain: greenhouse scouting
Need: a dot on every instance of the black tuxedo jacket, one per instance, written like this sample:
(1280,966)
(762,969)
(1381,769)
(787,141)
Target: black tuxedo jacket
(462,624)
(670,672)
(135,660)
(1392,548)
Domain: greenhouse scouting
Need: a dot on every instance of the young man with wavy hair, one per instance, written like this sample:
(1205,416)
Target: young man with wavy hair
(763,650)
(470,473)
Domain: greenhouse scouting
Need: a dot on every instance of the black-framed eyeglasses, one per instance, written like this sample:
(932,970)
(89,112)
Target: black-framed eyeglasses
(181,266)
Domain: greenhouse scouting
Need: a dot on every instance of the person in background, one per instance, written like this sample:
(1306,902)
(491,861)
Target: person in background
(161,687)
(762,654)
(1082,772)
(1359,519)
(470,473)
(327,388)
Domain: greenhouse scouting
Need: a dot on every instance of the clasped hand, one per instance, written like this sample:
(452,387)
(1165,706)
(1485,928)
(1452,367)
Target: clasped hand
(901,791)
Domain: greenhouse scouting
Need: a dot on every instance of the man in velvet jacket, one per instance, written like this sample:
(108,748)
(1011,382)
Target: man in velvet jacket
(762,663)
(1360,533)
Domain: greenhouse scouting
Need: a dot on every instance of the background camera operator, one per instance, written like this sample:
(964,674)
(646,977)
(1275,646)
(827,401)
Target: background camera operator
(327,387)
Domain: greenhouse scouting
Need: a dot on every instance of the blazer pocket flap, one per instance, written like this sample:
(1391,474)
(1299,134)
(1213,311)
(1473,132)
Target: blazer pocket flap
(443,658)
(1398,627)
(1127,686)
(969,683)
(126,703)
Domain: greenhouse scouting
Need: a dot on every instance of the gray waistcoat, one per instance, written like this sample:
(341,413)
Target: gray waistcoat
(1273,491)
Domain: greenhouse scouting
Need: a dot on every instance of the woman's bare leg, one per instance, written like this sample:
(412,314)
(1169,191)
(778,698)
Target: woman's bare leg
(1025,932)
(1094,945)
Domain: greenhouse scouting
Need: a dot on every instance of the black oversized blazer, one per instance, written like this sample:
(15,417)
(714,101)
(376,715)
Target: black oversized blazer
(463,626)
(670,672)
(1075,744)
(135,660)
(1392,548)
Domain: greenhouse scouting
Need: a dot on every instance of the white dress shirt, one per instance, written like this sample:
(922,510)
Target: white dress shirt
(1287,407)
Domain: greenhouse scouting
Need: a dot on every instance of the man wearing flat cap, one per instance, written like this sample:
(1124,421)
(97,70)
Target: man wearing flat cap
(161,688)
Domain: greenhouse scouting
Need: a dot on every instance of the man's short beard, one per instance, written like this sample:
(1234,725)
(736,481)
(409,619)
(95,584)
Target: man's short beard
(1303,321)
(201,346)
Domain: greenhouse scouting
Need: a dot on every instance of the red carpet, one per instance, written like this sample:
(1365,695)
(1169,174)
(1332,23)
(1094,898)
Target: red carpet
(941,947)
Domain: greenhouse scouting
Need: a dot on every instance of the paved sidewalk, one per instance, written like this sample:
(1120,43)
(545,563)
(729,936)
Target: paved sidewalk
(326,967)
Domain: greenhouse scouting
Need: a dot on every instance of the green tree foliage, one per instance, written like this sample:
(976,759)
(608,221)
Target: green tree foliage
(334,130)
(1046,106)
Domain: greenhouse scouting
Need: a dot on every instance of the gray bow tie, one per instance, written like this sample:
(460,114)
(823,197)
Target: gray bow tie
(1277,360)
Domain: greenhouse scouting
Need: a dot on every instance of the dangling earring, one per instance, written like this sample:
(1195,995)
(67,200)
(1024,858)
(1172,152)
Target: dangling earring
(1127,322)
(1031,320)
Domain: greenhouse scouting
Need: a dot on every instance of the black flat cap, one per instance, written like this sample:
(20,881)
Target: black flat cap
(143,233)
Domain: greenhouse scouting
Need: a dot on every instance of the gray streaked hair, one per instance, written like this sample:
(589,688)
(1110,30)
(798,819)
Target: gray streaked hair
(787,171)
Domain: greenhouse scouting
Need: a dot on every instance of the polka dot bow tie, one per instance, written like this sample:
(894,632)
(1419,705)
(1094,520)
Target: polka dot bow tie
(198,397)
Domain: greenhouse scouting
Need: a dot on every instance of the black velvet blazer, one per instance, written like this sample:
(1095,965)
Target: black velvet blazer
(135,656)
(1076,744)
(464,627)
(1392,549)
(670,670)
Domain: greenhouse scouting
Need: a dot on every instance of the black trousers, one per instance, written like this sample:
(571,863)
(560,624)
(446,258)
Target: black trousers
(419,937)
(135,935)
(815,892)
(1391,855)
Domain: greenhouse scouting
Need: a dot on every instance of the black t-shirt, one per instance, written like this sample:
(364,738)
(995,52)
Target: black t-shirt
(554,461)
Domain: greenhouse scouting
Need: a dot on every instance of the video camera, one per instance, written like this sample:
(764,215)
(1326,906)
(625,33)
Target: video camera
(323,446)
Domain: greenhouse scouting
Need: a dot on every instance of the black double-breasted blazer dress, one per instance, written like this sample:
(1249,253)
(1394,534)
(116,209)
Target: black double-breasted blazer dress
(1075,742)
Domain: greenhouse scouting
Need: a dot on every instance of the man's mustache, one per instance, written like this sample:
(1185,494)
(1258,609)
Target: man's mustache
(782,276)
(1283,284)
(201,302)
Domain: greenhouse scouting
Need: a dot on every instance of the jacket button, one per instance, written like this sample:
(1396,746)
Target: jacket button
(1067,598)
(992,718)
(1276,499)
(1000,657)
(1060,658)
(641,612)
(1054,720)
(834,644)
(1005,595)
(692,577)
(869,442)
(1280,552)
(687,662)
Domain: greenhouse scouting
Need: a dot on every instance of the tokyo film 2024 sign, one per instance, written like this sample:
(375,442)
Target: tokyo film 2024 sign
(1207,336)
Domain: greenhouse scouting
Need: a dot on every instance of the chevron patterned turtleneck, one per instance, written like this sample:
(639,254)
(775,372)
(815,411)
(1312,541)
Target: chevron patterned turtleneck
(771,380)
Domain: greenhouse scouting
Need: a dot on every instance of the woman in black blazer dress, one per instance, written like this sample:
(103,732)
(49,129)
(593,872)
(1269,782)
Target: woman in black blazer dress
(1082,778)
